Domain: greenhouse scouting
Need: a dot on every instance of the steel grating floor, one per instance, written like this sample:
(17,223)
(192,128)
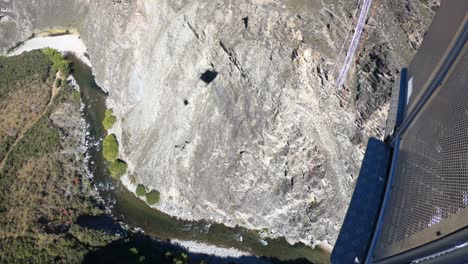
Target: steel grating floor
(431,180)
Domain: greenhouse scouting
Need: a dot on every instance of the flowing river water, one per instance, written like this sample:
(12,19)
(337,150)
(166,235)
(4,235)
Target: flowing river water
(127,208)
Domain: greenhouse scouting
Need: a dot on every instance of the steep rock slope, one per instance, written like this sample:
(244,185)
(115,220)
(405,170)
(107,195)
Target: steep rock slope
(228,108)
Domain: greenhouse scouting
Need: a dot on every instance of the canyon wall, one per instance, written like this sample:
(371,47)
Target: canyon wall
(229,108)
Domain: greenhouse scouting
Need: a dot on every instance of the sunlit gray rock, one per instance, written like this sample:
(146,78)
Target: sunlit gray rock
(228,108)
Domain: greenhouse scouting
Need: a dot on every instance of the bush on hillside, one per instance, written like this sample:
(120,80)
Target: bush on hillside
(76,96)
(60,62)
(109,120)
(118,168)
(110,148)
(152,197)
(140,190)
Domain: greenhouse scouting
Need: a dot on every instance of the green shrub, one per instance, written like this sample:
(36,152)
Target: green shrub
(110,148)
(76,96)
(109,120)
(134,250)
(118,168)
(181,258)
(152,197)
(60,62)
(140,190)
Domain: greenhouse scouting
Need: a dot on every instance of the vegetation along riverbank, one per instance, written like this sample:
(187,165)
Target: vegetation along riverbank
(45,194)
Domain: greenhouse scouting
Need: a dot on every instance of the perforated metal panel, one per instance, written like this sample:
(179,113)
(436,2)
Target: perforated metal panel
(436,45)
(429,197)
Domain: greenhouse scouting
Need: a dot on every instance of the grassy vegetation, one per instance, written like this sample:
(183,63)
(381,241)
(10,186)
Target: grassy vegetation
(25,90)
(109,120)
(118,168)
(60,62)
(152,197)
(76,96)
(27,250)
(41,139)
(6,142)
(42,190)
(110,148)
(23,72)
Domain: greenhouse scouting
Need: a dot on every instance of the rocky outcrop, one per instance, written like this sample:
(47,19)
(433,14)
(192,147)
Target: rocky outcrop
(228,108)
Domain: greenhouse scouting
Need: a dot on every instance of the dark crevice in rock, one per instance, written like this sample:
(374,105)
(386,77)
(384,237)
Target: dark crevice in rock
(232,56)
(193,30)
(408,8)
(294,54)
(375,83)
(208,76)
(183,145)
(246,22)
(186,102)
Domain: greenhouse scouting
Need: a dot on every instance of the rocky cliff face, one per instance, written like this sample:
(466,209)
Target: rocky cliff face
(228,108)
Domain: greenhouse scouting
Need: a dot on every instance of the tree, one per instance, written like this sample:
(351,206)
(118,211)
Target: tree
(118,168)
(181,258)
(60,62)
(152,197)
(140,190)
(110,148)
(109,120)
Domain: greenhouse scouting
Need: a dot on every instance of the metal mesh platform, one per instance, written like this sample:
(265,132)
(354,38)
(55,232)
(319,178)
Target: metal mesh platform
(429,197)
(434,48)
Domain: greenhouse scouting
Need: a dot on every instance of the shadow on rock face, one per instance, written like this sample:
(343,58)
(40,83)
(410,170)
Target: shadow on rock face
(208,76)
(140,248)
(102,222)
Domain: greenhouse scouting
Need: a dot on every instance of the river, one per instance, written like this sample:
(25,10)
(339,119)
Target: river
(126,207)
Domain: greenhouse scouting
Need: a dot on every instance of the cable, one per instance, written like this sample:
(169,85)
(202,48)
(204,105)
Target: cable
(346,38)
(354,43)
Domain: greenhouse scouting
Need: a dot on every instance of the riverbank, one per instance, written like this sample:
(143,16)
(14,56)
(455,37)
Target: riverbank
(63,43)
(124,205)
(119,196)
(211,250)
(43,187)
